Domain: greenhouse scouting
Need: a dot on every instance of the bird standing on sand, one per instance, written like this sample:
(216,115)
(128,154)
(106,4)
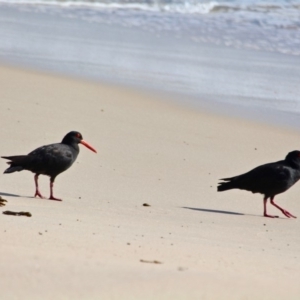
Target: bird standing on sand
(269,179)
(49,160)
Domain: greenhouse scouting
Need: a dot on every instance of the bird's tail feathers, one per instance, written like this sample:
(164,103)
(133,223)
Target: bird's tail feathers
(16,163)
(227,184)
(224,186)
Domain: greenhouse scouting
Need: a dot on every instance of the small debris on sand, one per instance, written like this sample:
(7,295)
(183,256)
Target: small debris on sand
(146,204)
(15,213)
(150,261)
(2,201)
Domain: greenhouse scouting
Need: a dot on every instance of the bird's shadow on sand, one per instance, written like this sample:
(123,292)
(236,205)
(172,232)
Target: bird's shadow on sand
(226,212)
(22,196)
(215,211)
(231,212)
(10,195)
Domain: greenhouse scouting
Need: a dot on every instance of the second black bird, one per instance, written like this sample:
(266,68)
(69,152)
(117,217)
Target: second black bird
(270,180)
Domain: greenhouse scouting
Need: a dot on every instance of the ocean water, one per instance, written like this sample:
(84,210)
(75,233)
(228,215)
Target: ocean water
(269,25)
(240,57)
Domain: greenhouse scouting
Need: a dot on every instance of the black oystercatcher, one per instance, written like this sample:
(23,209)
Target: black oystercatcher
(269,179)
(49,160)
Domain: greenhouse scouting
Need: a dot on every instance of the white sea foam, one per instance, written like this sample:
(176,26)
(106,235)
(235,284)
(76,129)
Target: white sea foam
(186,7)
(270,25)
(178,6)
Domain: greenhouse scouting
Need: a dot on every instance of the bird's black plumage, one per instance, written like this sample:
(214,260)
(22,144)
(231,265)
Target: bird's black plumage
(269,179)
(49,160)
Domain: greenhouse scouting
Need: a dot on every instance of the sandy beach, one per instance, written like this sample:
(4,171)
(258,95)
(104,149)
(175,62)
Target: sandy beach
(89,246)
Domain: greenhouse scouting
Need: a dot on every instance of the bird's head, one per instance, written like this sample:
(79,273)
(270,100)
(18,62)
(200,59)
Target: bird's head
(293,157)
(75,137)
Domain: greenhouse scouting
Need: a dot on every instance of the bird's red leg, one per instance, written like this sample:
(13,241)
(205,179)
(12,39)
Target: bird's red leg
(51,191)
(285,212)
(265,209)
(37,191)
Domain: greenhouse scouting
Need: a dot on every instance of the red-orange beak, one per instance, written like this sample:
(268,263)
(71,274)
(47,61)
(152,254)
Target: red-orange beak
(88,145)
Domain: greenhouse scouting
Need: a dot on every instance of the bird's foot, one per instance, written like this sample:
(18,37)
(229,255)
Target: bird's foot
(38,194)
(53,198)
(270,216)
(288,214)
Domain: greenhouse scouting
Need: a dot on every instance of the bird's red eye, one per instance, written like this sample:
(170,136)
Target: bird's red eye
(78,135)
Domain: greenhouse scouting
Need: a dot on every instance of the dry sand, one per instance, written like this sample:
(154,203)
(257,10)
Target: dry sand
(211,245)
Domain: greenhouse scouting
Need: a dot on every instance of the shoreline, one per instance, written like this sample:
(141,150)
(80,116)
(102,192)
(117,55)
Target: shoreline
(269,117)
(213,245)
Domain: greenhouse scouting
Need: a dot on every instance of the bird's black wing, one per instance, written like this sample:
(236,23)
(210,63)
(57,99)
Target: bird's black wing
(263,179)
(50,159)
